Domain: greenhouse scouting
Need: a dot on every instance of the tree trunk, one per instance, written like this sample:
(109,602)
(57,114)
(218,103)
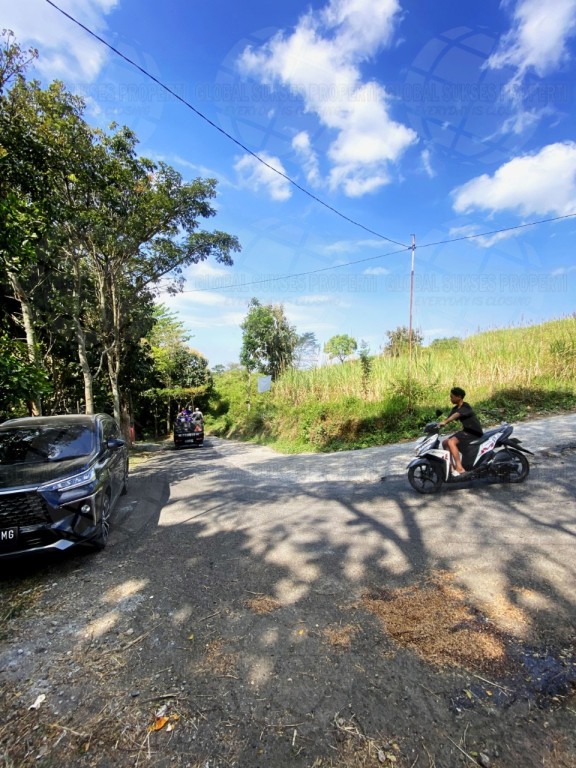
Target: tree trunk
(85,367)
(81,342)
(34,403)
(113,376)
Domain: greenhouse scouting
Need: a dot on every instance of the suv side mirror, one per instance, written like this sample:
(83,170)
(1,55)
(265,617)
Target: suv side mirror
(114,443)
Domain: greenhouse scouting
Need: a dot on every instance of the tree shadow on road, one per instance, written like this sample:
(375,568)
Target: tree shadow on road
(234,600)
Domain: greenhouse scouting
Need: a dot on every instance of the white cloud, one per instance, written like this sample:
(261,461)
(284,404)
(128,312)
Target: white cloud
(320,62)
(257,176)
(301,143)
(484,241)
(351,246)
(376,271)
(206,269)
(425,156)
(66,51)
(315,299)
(537,42)
(543,183)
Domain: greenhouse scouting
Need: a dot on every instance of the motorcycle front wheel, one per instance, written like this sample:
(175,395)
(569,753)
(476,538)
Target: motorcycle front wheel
(520,470)
(425,477)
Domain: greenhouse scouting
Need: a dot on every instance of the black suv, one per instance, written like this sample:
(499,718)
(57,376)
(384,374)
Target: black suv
(60,477)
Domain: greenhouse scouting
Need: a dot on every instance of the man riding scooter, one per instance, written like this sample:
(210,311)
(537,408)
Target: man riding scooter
(471,429)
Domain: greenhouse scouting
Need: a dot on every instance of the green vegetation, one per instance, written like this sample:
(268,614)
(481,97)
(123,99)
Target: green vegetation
(89,230)
(515,373)
(341,346)
(268,341)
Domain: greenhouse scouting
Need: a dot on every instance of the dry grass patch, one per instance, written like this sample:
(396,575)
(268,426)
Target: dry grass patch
(357,750)
(217,660)
(262,604)
(434,619)
(340,636)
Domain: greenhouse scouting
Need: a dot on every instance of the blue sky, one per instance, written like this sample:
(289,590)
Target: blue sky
(446,122)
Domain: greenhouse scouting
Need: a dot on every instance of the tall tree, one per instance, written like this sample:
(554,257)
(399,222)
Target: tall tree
(399,341)
(268,340)
(306,351)
(145,227)
(88,228)
(340,346)
(182,373)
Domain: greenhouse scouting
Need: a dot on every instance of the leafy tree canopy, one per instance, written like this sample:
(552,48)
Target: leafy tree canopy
(340,346)
(268,340)
(399,341)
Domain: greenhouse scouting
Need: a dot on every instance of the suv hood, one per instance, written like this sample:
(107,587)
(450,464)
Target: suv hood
(30,476)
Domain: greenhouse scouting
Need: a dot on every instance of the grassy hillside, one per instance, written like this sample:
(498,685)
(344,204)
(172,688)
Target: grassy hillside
(517,373)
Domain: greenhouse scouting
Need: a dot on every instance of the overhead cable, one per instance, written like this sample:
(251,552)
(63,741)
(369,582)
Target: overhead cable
(497,231)
(221,130)
(298,274)
(391,253)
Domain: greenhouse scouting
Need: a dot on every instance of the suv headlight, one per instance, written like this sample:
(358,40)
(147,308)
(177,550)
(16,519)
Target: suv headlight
(67,483)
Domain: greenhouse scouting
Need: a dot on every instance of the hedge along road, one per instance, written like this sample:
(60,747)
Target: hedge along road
(232,598)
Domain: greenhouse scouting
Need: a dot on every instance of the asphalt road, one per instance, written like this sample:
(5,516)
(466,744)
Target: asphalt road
(342,521)
(165,615)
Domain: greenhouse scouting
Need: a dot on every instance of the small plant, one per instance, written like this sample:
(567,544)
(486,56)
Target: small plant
(365,366)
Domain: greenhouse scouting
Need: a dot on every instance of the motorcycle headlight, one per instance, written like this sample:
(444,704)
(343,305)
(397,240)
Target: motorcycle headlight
(84,478)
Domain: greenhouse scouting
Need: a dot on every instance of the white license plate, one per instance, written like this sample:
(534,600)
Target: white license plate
(8,537)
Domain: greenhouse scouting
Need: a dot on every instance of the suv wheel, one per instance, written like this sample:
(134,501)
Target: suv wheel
(104,524)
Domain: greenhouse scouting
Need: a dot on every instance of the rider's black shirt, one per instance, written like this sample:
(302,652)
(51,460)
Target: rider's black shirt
(468,418)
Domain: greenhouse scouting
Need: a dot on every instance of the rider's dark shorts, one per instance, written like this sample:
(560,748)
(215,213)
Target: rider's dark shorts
(464,438)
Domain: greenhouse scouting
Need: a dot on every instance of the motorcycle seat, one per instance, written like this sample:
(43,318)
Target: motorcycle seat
(486,435)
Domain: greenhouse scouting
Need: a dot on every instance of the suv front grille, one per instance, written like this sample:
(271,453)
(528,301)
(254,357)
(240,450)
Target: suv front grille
(18,509)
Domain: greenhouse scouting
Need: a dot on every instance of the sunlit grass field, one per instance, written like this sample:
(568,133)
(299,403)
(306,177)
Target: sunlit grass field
(513,373)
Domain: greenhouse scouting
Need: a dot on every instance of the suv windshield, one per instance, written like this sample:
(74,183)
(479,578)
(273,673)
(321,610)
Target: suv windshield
(26,445)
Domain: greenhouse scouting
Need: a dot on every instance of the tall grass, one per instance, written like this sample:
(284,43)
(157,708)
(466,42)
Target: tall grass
(517,370)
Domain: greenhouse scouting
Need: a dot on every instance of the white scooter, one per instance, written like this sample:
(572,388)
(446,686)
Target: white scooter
(494,454)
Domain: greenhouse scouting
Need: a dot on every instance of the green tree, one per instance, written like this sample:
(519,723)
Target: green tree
(181,373)
(448,343)
(306,351)
(268,340)
(87,229)
(399,341)
(18,376)
(144,227)
(340,346)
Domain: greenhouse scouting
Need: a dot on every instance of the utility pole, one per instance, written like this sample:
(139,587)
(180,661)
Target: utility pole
(413,248)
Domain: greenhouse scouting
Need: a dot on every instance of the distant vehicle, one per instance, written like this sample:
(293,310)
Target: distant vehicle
(60,477)
(189,430)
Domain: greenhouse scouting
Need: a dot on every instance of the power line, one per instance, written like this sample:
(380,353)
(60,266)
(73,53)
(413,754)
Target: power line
(221,130)
(297,274)
(403,247)
(391,253)
(498,231)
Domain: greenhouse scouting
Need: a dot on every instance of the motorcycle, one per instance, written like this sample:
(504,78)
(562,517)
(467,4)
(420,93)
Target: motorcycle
(495,455)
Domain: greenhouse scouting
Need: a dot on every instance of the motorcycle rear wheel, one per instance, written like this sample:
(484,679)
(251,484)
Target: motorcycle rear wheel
(425,477)
(521,468)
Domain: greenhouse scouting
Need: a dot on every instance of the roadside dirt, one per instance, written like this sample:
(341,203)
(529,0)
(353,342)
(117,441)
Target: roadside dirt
(124,658)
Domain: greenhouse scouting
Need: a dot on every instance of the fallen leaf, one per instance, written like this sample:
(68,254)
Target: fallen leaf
(159,723)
